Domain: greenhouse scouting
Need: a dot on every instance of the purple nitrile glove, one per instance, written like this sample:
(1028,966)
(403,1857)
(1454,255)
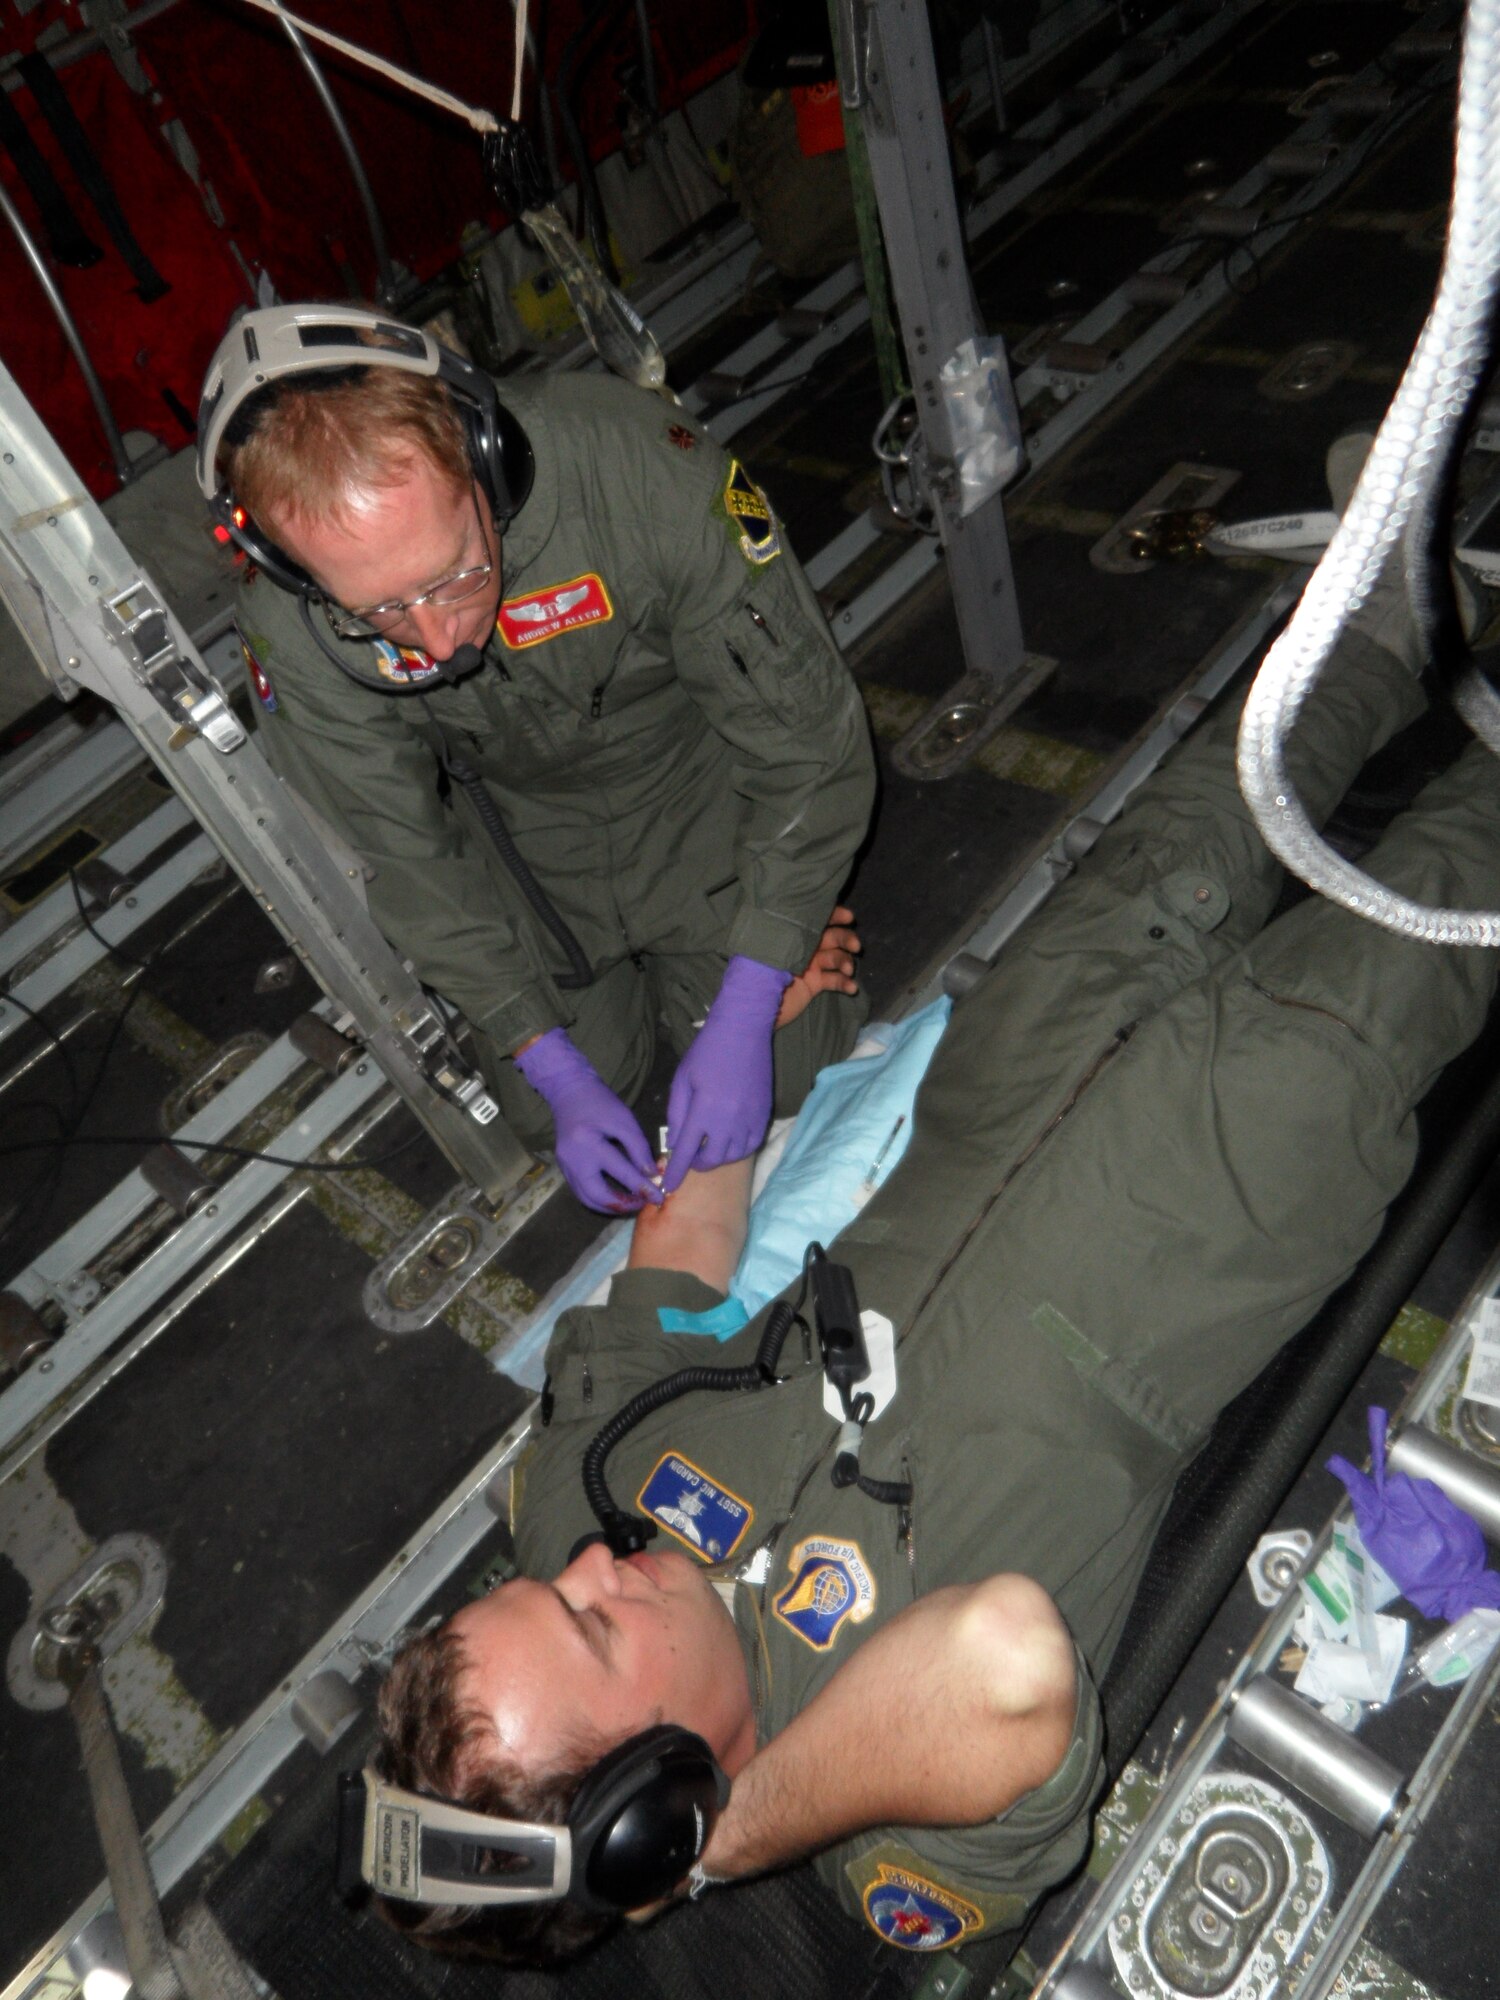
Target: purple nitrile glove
(601,1149)
(1424,1541)
(720,1102)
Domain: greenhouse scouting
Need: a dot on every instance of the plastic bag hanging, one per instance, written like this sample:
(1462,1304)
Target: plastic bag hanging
(618,334)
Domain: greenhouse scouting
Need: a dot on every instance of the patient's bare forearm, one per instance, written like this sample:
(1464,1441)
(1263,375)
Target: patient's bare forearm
(699,1229)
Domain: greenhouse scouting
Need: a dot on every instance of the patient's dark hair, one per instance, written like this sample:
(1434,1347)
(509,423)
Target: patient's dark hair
(430,1741)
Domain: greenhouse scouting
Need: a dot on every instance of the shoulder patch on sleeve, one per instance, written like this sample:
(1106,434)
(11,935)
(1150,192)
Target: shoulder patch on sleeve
(905,1903)
(830,1583)
(749,515)
(683,436)
(252,646)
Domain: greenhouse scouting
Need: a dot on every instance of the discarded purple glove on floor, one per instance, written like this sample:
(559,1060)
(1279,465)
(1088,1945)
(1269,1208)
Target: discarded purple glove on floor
(1422,1539)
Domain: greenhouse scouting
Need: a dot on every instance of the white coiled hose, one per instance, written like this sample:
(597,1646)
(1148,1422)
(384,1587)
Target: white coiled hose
(1432,398)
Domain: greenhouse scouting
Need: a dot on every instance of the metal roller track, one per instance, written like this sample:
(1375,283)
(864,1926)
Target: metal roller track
(54,1272)
(31,931)
(1088,1943)
(51,781)
(235,1200)
(147,900)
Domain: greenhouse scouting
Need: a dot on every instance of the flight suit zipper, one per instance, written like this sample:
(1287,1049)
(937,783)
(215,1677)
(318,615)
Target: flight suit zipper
(596,699)
(758,621)
(906,1521)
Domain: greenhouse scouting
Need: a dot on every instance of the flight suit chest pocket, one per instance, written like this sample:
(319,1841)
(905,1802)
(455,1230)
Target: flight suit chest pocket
(770,660)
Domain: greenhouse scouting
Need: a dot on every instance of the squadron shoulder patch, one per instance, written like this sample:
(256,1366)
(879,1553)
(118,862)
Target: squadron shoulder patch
(542,614)
(682,437)
(260,680)
(829,1584)
(402,666)
(750,512)
(695,1510)
(914,1914)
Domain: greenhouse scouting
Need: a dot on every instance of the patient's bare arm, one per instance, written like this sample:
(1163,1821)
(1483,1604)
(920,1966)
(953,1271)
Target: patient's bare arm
(700,1228)
(976,1684)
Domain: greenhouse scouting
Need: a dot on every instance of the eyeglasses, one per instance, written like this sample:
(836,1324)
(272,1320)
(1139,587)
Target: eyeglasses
(455,589)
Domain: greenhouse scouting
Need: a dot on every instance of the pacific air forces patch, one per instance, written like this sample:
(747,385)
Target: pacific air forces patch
(542,614)
(829,1584)
(402,666)
(916,1914)
(749,512)
(260,680)
(708,1520)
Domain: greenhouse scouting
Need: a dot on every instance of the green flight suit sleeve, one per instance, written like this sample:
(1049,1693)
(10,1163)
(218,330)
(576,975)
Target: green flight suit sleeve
(358,759)
(754,652)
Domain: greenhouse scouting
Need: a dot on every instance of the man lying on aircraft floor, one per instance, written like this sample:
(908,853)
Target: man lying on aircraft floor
(1151,1142)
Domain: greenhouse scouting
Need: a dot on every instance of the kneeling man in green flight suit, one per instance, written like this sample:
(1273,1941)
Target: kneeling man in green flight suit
(541,656)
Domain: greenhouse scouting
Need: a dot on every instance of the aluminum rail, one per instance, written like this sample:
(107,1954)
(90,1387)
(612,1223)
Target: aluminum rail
(51,780)
(113,926)
(234,1201)
(56,1273)
(58,910)
(39,1434)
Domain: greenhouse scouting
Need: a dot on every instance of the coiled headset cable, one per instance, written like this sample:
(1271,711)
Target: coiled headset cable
(844,1360)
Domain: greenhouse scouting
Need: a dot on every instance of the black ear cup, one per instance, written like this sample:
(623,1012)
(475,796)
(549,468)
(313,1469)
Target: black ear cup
(642,1817)
(262,551)
(499,450)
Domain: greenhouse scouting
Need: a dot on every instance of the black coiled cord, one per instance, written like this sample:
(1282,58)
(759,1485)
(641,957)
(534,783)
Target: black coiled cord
(628,1533)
